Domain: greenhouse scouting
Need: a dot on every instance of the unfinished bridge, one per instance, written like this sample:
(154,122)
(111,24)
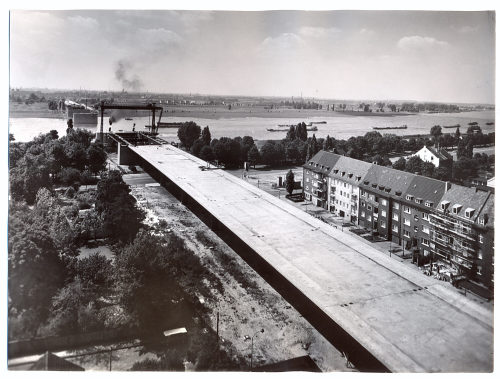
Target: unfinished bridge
(384,315)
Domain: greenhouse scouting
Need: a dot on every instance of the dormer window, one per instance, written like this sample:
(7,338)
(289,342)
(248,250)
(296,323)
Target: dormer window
(374,185)
(343,173)
(481,221)
(358,178)
(469,212)
(428,203)
(366,182)
(388,190)
(398,193)
(444,205)
(418,201)
(381,187)
(456,208)
(349,175)
(335,171)
(409,197)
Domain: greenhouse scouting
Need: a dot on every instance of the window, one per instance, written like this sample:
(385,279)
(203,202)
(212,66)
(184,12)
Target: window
(406,221)
(481,221)
(469,212)
(428,203)
(479,254)
(479,269)
(384,202)
(396,205)
(371,197)
(425,242)
(418,201)
(415,217)
(369,218)
(307,188)
(384,213)
(395,217)
(415,229)
(307,179)
(382,224)
(425,229)
(406,233)
(395,228)
(363,203)
(409,197)
(369,207)
(362,213)
(481,238)
(406,209)
(425,216)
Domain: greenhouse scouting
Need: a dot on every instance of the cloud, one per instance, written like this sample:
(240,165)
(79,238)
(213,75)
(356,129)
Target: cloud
(283,41)
(420,43)
(366,32)
(160,38)
(317,32)
(466,29)
(84,22)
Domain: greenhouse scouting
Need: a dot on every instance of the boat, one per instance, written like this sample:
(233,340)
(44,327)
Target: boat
(390,127)
(308,124)
(128,118)
(168,124)
(318,122)
(490,123)
(310,129)
(451,126)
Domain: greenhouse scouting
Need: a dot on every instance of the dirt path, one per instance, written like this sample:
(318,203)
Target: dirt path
(247,304)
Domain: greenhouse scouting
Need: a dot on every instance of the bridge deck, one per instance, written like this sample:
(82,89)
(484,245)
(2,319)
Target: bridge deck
(408,321)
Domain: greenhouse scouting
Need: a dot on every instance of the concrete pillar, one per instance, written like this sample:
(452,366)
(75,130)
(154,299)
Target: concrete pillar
(126,156)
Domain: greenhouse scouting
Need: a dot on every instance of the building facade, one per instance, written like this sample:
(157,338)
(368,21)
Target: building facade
(433,219)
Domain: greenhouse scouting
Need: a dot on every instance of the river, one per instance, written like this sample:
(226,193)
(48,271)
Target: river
(339,126)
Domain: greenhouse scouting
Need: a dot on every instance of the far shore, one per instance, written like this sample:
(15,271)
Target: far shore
(212,112)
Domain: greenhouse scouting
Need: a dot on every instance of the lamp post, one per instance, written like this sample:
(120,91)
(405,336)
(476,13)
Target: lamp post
(251,354)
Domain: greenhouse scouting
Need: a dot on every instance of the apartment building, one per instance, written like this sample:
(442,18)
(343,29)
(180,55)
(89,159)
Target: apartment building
(345,179)
(315,178)
(432,218)
(382,192)
(462,231)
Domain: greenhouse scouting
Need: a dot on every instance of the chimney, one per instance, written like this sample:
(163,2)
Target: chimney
(447,186)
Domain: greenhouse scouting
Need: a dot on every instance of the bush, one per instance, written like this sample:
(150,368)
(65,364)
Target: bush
(70,192)
(70,175)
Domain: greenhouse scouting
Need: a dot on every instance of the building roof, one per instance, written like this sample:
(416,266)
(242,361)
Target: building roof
(464,197)
(304,363)
(322,162)
(387,181)
(51,362)
(426,189)
(352,169)
(439,153)
(488,211)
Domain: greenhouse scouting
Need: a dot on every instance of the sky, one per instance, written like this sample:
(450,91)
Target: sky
(384,55)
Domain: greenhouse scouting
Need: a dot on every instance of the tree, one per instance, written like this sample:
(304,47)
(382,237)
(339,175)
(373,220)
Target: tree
(269,154)
(414,164)
(253,156)
(464,168)
(400,164)
(228,152)
(121,217)
(290,135)
(436,134)
(206,136)
(427,169)
(314,145)
(96,158)
(301,131)
(290,182)
(197,146)
(70,176)
(188,133)
(207,154)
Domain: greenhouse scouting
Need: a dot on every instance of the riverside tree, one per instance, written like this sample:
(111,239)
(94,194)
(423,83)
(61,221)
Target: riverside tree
(188,132)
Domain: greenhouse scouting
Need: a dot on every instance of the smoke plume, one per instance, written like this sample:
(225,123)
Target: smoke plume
(129,82)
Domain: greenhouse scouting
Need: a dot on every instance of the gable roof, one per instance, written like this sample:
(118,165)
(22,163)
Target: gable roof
(387,181)
(488,211)
(51,362)
(439,153)
(322,162)
(467,198)
(352,168)
(426,189)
